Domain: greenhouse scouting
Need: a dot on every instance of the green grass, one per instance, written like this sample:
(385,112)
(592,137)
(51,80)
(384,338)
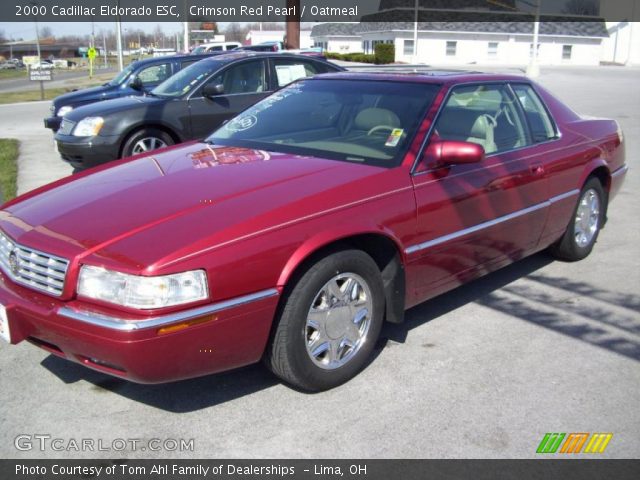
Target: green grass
(51,93)
(8,169)
(11,74)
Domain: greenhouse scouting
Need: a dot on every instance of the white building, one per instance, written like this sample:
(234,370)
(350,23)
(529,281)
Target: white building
(623,45)
(463,43)
(337,37)
(255,37)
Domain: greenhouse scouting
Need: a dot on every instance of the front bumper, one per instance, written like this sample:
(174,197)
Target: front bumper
(87,152)
(222,336)
(53,123)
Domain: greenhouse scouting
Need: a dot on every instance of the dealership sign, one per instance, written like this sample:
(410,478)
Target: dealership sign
(40,75)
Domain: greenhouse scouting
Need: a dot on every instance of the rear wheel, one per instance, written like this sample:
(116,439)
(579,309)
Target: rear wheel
(583,229)
(146,140)
(329,322)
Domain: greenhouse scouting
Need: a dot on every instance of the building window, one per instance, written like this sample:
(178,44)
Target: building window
(408,47)
(493,49)
(566,52)
(531,50)
(452,48)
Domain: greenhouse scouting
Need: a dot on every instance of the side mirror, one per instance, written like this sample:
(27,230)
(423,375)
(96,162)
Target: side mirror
(450,152)
(136,84)
(212,90)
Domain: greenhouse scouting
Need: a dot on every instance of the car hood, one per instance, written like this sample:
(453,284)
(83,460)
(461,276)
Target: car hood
(80,96)
(144,213)
(114,106)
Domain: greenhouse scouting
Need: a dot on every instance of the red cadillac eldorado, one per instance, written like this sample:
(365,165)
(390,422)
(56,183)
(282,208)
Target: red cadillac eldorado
(296,229)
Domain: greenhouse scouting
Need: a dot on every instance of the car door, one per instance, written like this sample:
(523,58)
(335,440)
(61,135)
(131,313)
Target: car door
(244,83)
(475,217)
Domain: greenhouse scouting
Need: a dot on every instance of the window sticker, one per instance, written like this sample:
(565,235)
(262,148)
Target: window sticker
(240,124)
(394,138)
(288,73)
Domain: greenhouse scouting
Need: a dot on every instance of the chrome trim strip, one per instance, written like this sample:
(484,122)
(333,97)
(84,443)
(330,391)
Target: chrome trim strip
(488,224)
(564,196)
(124,325)
(621,171)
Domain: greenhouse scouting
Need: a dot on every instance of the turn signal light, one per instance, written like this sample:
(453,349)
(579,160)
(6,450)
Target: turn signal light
(176,327)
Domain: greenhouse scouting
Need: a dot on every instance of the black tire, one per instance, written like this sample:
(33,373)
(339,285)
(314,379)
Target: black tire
(567,247)
(145,133)
(287,354)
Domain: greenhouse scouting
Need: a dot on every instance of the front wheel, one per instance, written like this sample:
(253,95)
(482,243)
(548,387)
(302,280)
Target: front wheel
(583,229)
(329,322)
(146,140)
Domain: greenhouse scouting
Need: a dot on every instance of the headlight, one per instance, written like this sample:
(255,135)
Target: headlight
(142,292)
(88,127)
(64,110)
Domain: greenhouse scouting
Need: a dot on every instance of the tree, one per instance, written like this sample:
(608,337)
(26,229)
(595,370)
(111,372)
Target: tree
(582,7)
(235,32)
(45,32)
(3,39)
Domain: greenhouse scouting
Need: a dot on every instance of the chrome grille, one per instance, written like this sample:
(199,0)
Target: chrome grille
(66,127)
(32,268)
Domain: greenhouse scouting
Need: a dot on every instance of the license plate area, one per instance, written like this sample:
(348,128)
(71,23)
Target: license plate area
(5,333)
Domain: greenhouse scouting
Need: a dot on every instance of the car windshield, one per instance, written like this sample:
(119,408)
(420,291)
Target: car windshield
(371,122)
(122,76)
(198,50)
(186,79)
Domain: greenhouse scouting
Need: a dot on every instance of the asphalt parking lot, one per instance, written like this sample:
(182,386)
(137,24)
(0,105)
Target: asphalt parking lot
(481,372)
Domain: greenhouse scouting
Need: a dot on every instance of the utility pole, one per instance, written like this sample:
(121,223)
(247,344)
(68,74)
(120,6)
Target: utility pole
(104,48)
(293,25)
(534,69)
(119,44)
(415,34)
(186,37)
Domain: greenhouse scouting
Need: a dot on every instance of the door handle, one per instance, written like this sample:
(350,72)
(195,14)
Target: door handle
(537,169)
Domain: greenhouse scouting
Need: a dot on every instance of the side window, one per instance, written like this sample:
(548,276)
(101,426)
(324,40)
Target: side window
(289,70)
(540,123)
(155,74)
(249,77)
(483,114)
(186,63)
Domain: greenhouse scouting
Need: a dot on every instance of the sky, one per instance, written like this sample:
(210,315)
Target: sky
(27,30)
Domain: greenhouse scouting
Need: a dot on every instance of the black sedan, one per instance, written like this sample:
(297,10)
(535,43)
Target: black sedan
(188,105)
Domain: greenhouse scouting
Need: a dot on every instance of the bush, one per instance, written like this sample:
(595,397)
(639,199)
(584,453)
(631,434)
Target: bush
(384,53)
(351,57)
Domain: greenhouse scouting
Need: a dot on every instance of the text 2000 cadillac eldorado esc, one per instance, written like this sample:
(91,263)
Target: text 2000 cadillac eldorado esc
(298,227)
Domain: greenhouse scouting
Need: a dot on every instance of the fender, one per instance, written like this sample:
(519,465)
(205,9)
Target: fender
(590,167)
(322,239)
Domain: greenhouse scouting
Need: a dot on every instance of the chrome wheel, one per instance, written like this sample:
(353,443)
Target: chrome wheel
(338,321)
(147,144)
(587,218)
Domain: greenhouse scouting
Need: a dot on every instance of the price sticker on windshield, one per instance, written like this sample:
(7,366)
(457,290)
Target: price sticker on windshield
(394,138)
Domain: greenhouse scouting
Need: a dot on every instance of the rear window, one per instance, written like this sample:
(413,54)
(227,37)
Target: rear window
(542,127)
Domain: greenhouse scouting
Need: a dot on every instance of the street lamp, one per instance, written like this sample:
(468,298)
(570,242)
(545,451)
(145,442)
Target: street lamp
(533,70)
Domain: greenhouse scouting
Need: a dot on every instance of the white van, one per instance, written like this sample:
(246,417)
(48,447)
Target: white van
(215,47)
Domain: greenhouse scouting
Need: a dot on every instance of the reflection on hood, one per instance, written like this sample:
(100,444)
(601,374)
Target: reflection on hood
(216,156)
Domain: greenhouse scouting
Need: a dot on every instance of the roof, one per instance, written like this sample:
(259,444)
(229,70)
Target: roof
(448,77)
(575,29)
(336,30)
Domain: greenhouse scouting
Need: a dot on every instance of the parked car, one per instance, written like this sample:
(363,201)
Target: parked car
(8,66)
(215,47)
(43,65)
(263,47)
(298,227)
(136,79)
(187,106)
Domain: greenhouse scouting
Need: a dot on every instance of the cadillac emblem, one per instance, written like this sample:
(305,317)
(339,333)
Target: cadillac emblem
(14,263)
